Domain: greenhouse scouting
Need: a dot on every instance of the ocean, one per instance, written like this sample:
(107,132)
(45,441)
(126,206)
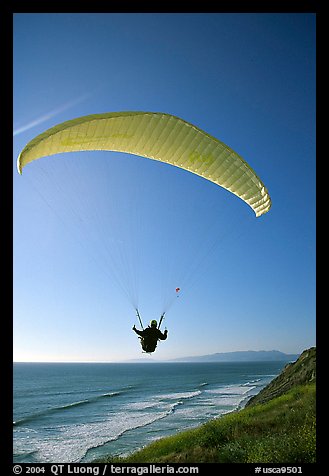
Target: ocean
(77,412)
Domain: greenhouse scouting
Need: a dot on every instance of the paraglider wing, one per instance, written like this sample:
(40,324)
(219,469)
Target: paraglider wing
(157,136)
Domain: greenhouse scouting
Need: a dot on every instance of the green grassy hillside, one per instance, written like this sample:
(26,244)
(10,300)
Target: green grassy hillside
(278,429)
(301,372)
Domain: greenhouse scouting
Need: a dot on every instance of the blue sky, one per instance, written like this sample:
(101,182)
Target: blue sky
(97,233)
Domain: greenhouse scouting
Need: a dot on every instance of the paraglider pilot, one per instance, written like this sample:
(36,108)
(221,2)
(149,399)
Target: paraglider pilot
(149,337)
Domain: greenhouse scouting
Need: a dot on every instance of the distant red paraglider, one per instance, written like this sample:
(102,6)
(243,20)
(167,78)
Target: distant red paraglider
(177,290)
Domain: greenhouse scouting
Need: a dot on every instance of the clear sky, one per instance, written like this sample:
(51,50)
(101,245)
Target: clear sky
(97,233)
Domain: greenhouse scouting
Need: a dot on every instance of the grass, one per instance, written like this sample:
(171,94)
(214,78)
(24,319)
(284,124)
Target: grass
(279,431)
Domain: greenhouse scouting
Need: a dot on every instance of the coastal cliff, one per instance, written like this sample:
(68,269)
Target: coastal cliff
(301,372)
(276,426)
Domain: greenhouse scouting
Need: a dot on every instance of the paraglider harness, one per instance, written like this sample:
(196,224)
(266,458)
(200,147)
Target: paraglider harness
(146,345)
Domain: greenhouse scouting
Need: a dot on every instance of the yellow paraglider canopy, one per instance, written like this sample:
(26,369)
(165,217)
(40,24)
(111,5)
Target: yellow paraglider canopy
(157,136)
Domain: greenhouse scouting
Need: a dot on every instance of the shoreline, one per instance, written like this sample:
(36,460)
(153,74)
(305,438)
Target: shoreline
(110,419)
(240,406)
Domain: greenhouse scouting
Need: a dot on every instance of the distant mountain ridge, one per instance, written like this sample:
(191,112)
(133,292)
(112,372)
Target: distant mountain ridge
(241,356)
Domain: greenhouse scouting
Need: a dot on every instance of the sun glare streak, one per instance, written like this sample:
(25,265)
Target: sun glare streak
(50,114)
